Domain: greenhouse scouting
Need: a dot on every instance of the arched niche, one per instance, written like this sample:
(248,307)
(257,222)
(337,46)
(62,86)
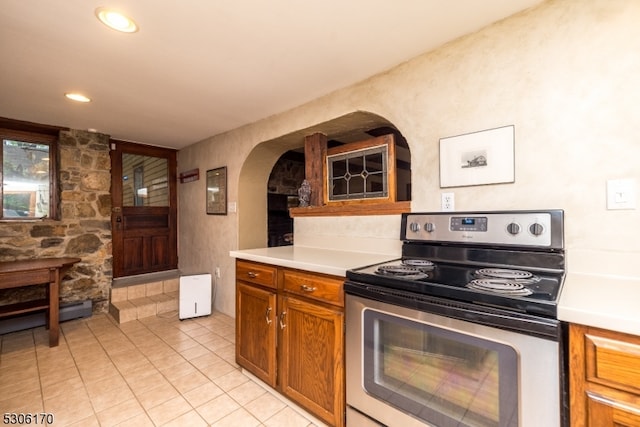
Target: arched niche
(254,175)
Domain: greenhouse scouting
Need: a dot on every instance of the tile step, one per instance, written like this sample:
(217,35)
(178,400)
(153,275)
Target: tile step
(138,308)
(144,300)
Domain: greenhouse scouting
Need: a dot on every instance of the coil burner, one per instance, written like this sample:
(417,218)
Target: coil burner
(402,271)
(503,281)
(422,264)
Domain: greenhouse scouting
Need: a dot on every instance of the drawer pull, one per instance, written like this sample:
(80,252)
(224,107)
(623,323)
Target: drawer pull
(252,274)
(307,288)
(282,316)
(267,316)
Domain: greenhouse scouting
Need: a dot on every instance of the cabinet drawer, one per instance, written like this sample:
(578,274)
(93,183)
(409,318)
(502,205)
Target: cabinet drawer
(253,272)
(316,286)
(613,359)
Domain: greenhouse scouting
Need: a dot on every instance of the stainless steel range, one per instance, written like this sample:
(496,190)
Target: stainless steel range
(462,330)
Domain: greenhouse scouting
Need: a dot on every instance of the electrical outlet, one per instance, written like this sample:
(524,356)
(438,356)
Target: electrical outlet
(218,272)
(448,202)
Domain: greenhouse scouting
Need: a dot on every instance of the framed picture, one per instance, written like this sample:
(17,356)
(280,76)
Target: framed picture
(217,191)
(484,157)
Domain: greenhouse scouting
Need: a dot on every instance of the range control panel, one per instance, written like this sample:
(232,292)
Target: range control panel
(521,228)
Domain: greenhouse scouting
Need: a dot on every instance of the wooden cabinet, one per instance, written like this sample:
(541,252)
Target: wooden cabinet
(290,334)
(604,377)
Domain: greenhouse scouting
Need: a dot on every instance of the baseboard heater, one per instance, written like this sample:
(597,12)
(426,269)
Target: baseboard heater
(68,311)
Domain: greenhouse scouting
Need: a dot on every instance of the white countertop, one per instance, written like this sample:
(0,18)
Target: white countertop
(318,260)
(604,301)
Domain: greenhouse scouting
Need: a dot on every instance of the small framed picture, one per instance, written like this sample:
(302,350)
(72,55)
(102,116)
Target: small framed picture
(217,191)
(485,157)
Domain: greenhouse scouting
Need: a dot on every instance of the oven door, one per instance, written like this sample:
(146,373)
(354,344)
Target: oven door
(408,367)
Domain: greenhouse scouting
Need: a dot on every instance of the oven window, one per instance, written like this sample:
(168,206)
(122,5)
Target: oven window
(444,377)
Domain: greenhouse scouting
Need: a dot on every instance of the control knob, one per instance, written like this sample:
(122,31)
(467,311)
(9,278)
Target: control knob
(429,227)
(536,229)
(513,228)
(414,226)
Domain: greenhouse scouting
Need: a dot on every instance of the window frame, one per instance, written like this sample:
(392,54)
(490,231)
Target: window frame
(38,138)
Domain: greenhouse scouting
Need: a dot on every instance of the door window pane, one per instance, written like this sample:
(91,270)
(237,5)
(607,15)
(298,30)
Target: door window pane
(144,180)
(26,179)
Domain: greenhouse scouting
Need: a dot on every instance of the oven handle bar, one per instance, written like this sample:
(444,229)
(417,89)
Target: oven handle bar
(542,327)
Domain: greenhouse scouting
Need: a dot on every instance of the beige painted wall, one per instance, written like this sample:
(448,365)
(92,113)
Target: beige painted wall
(564,73)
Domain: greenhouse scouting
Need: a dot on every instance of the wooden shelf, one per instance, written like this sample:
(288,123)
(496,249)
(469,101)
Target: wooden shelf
(23,307)
(352,210)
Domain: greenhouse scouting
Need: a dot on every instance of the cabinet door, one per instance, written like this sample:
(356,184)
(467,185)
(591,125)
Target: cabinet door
(603,369)
(256,331)
(311,365)
(604,412)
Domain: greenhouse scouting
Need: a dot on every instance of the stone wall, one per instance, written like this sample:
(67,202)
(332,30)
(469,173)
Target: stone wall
(286,176)
(83,231)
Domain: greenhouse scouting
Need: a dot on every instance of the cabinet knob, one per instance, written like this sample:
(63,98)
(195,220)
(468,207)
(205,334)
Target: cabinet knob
(252,274)
(282,316)
(307,288)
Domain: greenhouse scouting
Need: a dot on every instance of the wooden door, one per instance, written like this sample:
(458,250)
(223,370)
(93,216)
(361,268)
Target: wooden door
(311,358)
(256,332)
(144,209)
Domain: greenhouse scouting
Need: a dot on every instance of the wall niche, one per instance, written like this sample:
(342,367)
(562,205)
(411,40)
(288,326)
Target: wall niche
(255,181)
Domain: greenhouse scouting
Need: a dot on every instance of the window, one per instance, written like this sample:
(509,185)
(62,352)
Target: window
(361,171)
(29,189)
(144,180)
(358,174)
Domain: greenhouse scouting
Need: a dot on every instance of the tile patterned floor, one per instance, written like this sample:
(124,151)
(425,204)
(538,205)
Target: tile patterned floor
(157,371)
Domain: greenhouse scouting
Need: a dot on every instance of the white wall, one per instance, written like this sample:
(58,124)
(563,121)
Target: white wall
(564,73)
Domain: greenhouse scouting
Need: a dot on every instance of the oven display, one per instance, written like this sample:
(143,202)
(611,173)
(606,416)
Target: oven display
(469,223)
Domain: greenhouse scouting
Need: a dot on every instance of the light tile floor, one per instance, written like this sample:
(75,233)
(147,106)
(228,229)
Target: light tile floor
(157,371)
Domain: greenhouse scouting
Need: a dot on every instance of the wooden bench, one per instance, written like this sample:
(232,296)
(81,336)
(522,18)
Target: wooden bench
(49,271)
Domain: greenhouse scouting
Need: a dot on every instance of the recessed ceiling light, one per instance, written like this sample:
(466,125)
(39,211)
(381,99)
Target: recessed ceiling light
(77,97)
(116,20)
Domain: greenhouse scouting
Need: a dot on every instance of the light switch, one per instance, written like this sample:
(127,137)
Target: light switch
(621,194)
(232,207)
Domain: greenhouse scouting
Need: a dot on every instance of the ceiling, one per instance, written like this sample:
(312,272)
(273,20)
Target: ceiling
(203,67)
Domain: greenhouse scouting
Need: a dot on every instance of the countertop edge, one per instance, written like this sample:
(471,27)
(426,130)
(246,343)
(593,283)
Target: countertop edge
(601,301)
(317,260)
